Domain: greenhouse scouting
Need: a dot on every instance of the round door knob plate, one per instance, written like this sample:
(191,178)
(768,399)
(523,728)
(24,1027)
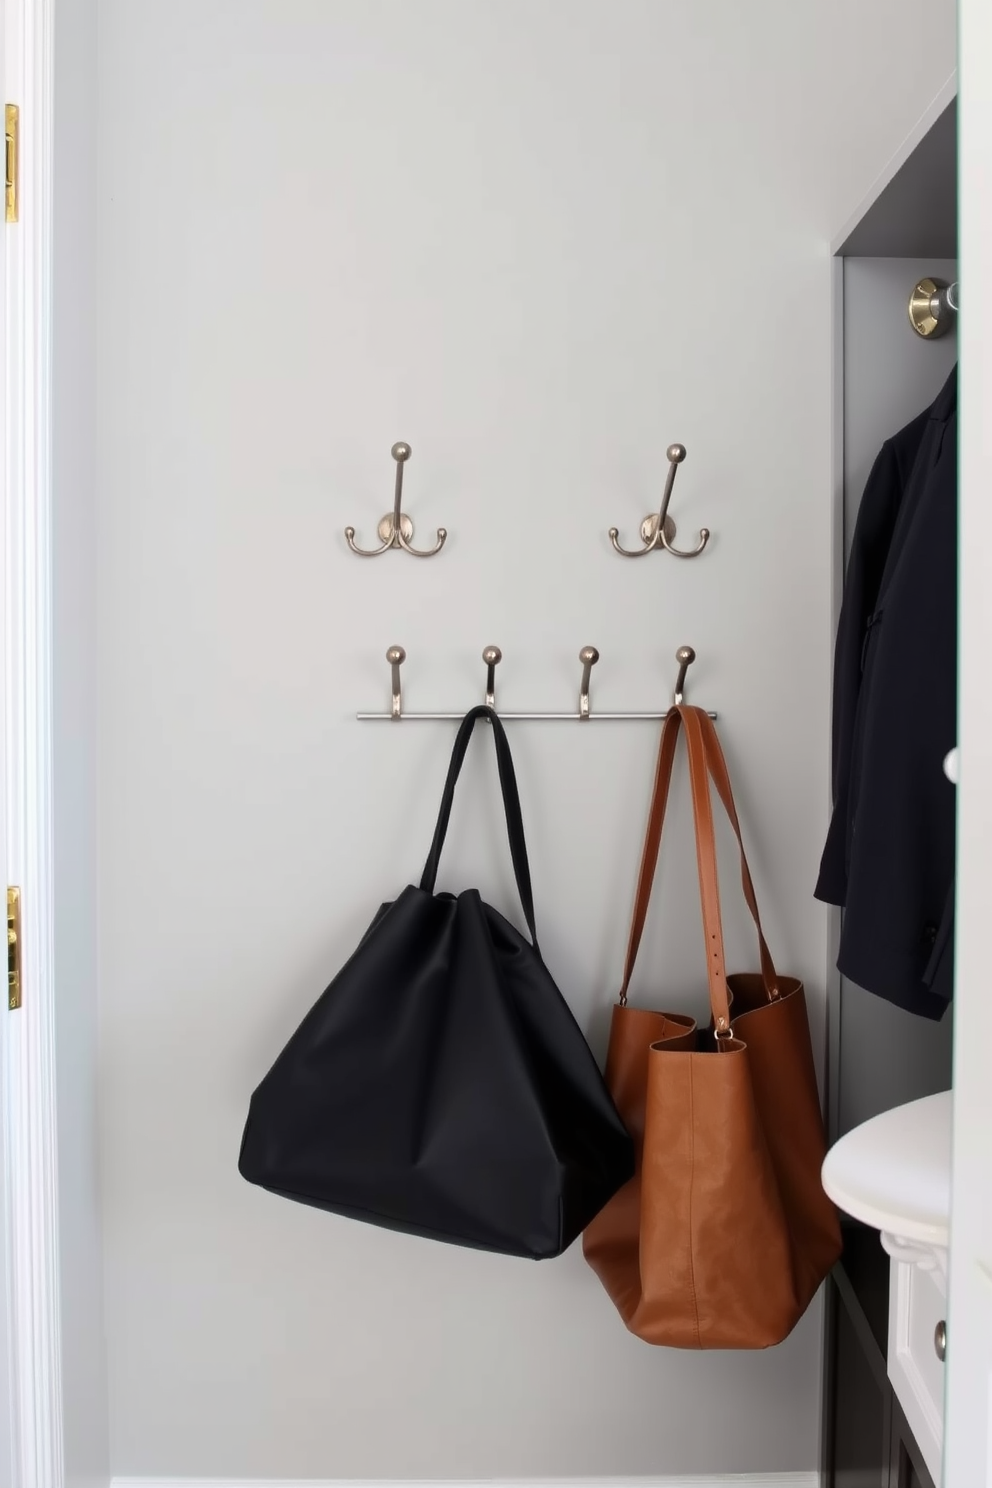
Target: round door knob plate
(940,1340)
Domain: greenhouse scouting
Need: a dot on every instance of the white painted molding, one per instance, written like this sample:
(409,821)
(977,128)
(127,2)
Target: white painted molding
(915,1252)
(917,1304)
(730,1480)
(29,1044)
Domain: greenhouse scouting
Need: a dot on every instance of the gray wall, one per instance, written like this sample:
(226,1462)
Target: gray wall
(84,1374)
(539,241)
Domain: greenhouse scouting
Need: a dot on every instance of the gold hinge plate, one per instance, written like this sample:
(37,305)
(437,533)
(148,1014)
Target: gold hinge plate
(12,138)
(13,949)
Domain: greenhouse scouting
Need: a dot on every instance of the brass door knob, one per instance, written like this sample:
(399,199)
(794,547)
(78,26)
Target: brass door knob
(932,307)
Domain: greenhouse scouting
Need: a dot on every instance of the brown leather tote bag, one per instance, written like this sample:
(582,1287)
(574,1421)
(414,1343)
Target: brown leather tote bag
(724,1234)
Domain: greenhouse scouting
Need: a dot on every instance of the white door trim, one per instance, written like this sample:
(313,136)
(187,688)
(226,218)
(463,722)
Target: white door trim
(6,1212)
(29,1090)
(968,1421)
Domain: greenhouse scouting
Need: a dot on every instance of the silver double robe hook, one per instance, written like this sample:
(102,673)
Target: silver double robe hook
(658,529)
(396,529)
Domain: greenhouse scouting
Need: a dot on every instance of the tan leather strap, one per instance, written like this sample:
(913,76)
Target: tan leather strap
(721,779)
(652,842)
(706,761)
(709,888)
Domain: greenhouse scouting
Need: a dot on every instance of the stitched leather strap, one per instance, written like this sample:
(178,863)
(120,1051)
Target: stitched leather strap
(709,888)
(511,809)
(720,776)
(652,842)
(706,762)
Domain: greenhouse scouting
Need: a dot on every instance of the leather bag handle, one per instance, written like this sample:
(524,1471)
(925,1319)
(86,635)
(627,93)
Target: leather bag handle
(709,888)
(652,842)
(706,762)
(720,775)
(511,809)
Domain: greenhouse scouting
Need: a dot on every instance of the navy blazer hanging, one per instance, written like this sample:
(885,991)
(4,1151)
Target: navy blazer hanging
(889,856)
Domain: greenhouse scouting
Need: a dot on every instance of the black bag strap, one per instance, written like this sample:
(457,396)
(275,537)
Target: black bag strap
(511,809)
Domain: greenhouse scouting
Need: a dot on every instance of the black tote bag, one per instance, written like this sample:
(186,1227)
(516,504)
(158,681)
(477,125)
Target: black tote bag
(441,1086)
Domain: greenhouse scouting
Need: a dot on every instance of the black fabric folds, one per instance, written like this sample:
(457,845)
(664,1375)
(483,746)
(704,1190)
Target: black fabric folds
(889,855)
(440,1085)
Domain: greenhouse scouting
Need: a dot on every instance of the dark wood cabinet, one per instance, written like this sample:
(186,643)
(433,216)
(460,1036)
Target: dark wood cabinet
(860,1442)
(908,1475)
(867,1440)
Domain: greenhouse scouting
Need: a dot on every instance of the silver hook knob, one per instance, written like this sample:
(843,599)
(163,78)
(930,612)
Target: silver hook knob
(396,656)
(588,657)
(685,656)
(492,656)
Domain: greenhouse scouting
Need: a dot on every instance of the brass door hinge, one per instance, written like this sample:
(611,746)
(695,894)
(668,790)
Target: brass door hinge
(12,138)
(13,949)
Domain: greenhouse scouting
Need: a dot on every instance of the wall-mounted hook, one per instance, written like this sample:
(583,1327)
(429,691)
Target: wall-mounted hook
(658,529)
(396,656)
(933,305)
(588,657)
(396,529)
(492,656)
(685,656)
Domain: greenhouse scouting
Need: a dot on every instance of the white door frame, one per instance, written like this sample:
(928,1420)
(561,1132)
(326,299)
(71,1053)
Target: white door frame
(6,1212)
(27,1042)
(968,1426)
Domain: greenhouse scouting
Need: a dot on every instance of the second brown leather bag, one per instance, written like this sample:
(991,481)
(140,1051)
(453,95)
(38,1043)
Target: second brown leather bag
(724,1234)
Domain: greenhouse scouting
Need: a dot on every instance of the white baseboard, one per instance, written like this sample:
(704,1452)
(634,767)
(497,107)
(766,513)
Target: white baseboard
(727,1480)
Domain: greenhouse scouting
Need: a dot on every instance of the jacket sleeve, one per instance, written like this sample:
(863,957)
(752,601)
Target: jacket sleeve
(869,550)
(866,566)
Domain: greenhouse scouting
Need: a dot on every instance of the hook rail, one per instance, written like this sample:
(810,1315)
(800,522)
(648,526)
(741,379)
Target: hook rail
(492,656)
